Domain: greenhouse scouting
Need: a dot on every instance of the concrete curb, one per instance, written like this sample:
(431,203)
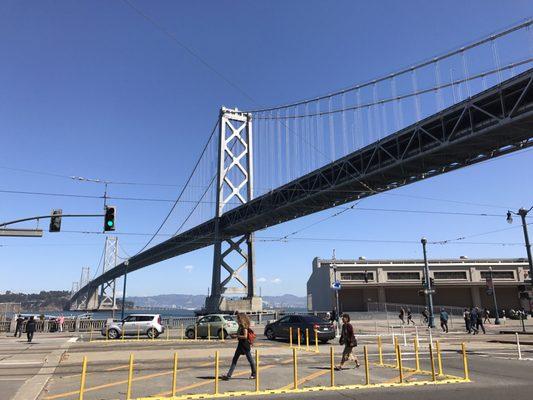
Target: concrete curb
(32,388)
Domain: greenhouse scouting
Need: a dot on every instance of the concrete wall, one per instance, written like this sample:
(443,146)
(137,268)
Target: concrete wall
(319,291)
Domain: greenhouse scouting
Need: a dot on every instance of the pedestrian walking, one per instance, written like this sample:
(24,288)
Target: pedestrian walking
(466,317)
(245,337)
(479,321)
(349,342)
(30,328)
(60,322)
(410,317)
(504,317)
(444,320)
(425,315)
(402,316)
(473,320)
(486,316)
(19,326)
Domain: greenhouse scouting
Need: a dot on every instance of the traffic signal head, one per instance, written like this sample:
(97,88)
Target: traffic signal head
(109,220)
(55,220)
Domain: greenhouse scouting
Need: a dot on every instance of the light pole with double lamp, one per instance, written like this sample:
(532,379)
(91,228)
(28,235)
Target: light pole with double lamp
(428,290)
(523,213)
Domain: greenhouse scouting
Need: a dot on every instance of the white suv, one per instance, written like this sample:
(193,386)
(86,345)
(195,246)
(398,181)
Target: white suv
(133,325)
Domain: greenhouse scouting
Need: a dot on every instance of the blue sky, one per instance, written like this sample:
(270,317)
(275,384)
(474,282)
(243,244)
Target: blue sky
(93,89)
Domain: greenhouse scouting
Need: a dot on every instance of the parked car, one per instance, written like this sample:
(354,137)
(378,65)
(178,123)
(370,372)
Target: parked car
(281,328)
(216,325)
(133,325)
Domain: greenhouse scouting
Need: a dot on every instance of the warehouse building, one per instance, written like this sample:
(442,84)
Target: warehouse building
(458,282)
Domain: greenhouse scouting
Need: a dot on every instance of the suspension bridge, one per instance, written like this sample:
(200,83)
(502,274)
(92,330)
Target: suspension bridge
(262,167)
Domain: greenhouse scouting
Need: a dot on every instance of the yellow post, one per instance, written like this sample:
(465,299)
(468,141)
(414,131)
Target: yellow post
(316,341)
(331,367)
(396,346)
(417,358)
(222,333)
(123,333)
(91,334)
(138,333)
(256,370)
(83,373)
(295,367)
(290,336)
(208,331)
(432,362)
(174,374)
(307,339)
(195,332)
(130,377)
(182,331)
(380,350)
(439,358)
(400,366)
(216,372)
(367,368)
(299,339)
(465,362)
(153,334)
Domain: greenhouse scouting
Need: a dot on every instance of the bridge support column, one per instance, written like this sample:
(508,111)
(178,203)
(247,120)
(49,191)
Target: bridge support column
(235,255)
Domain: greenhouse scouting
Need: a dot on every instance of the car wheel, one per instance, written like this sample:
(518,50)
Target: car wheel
(222,334)
(270,334)
(113,334)
(151,333)
(190,334)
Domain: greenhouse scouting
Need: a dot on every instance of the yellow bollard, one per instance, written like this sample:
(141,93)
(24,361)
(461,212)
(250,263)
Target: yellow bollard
(295,367)
(174,374)
(130,377)
(367,367)
(439,358)
(290,337)
(138,333)
(465,362)
(299,339)
(396,346)
(307,339)
(400,366)
(182,332)
(256,370)
(91,334)
(417,358)
(195,332)
(83,373)
(209,332)
(153,334)
(432,361)
(316,341)
(380,350)
(331,367)
(123,333)
(216,372)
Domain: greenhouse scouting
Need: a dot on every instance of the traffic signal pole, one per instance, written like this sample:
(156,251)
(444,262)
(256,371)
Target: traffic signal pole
(428,288)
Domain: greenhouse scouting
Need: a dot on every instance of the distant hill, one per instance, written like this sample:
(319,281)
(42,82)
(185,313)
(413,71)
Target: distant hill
(36,302)
(189,301)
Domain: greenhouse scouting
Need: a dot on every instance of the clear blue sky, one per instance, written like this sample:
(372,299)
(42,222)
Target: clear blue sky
(93,89)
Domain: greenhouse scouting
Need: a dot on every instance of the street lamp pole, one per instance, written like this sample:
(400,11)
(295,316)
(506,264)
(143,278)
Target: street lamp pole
(429,294)
(334,265)
(496,317)
(126,263)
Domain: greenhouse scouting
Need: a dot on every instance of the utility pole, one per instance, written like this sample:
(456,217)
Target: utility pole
(126,263)
(493,286)
(428,288)
(334,266)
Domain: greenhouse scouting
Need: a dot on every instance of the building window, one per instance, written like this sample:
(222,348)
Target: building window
(450,275)
(403,276)
(498,274)
(356,276)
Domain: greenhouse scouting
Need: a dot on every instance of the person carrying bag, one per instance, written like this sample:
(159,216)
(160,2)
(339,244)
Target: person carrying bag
(349,342)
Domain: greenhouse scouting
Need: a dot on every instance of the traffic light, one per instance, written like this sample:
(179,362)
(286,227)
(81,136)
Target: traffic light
(432,282)
(55,220)
(109,219)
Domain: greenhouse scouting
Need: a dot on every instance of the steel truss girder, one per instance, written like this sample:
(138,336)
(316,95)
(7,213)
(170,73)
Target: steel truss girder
(107,297)
(495,122)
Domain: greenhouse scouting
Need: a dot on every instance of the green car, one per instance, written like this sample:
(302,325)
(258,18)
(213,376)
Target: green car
(214,325)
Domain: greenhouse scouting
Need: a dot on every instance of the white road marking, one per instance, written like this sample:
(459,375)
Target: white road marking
(20,362)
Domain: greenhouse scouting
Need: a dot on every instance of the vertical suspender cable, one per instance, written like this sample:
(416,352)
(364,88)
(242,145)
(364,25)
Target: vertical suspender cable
(280,179)
(287,147)
(331,132)
(466,74)
(344,137)
(438,93)
(415,90)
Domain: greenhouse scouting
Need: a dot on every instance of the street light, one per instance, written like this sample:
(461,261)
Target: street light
(334,266)
(493,287)
(523,213)
(428,289)
(126,263)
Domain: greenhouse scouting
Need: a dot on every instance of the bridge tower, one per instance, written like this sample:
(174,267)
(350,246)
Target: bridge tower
(107,298)
(234,185)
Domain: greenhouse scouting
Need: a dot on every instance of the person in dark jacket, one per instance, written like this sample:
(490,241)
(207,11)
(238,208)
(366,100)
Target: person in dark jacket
(402,315)
(30,328)
(19,326)
(473,320)
(243,347)
(348,340)
(466,317)
(444,320)
(410,317)
(479,321)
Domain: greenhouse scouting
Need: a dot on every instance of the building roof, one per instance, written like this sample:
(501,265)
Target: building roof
(430,261)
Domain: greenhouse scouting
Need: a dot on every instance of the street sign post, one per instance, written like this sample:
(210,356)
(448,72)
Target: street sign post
(336,285)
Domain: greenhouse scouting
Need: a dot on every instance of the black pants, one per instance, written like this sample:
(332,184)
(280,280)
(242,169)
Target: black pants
(18,330)
(444,326)
(236,356)
(30,336)
(479,324)
(467,324)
